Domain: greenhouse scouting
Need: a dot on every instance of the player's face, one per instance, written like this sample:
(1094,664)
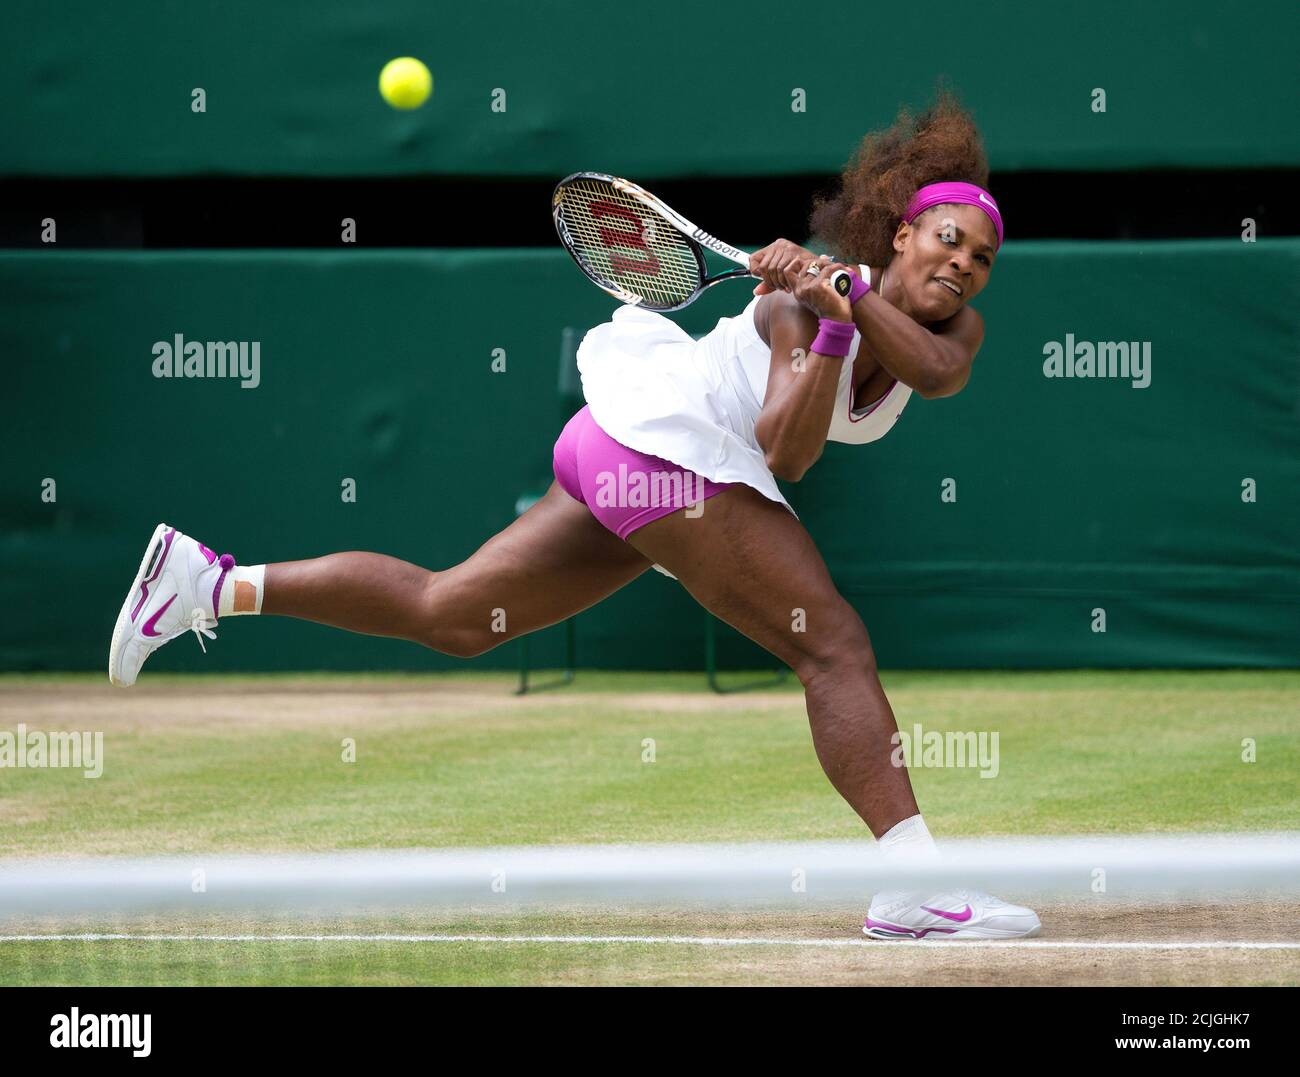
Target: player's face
(947,253)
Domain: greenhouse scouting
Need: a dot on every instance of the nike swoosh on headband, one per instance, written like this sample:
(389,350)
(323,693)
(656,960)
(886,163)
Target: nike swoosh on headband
(147,630)
(959,917)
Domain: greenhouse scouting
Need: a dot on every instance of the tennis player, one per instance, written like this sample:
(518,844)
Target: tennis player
(673,463)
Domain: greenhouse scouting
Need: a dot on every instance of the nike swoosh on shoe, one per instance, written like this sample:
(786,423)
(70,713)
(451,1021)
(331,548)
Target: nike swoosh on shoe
(148,630)
(959,917)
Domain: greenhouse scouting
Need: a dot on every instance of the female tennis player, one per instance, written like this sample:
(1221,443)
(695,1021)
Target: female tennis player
(673,462)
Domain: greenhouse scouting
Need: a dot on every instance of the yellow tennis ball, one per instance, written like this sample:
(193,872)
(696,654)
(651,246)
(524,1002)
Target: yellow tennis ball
(405,82)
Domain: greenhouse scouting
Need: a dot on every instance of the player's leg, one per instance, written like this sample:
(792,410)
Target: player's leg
(750,563)
(552,562)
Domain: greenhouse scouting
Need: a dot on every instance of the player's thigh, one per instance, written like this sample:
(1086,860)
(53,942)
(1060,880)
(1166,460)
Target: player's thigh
(552,562)
(748,561)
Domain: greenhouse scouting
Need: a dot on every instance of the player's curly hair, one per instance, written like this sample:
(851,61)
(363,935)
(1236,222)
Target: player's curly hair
(859,221)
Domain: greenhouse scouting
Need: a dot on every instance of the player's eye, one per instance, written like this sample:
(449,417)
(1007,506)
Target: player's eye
(948,237)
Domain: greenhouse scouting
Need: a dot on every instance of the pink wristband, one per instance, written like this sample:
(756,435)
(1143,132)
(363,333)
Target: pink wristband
(859,288)
(833,337)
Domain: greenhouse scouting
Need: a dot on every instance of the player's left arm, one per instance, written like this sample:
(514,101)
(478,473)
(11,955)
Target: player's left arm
(960,338)
(933,362)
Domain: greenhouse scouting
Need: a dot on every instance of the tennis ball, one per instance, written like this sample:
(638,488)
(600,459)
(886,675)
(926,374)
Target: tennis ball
(405,82)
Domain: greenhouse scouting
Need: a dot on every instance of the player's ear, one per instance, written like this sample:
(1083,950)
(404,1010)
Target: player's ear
(902,236)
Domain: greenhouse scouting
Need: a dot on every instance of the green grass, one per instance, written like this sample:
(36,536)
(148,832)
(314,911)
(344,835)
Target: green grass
(366,962)
(199,764)
(207,764)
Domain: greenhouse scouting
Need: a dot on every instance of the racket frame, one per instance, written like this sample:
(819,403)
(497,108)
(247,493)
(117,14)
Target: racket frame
(698,238)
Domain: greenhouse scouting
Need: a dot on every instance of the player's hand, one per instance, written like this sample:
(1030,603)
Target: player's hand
(770,264)
(816,292)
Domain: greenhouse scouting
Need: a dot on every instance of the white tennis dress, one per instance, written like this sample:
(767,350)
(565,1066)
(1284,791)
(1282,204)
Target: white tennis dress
(654,388)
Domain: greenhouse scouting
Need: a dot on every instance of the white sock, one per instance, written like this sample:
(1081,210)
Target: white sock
(242,591)
(909,841)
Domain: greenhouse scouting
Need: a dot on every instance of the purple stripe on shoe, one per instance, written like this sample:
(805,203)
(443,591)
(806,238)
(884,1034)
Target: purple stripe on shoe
(162,559)
(227,563)
(209,554)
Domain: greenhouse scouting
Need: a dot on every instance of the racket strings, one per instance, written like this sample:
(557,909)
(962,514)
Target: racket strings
(625,243)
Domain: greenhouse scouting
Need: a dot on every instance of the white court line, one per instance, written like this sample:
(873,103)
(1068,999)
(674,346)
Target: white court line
(680,940)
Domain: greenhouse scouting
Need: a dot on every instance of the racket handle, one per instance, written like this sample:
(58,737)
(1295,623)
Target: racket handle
(842,281)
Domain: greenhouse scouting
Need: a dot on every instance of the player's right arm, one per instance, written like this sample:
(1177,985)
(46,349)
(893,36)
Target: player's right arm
(801,383)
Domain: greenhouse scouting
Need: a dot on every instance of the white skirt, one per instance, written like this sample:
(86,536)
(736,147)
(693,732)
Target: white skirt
(655,389)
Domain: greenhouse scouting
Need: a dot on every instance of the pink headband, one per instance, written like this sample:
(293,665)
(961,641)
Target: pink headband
(935,194)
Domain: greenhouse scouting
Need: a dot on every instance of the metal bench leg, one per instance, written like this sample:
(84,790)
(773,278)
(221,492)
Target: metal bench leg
(570,661)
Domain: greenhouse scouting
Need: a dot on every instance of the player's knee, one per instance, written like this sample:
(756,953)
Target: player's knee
(460,644)
(448,624)
(462,641)
(836,644)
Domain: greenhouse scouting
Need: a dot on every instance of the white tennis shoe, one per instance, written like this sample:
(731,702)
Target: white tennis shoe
(177,590)
(952,914)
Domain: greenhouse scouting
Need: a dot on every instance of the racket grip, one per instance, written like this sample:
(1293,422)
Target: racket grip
(844,283)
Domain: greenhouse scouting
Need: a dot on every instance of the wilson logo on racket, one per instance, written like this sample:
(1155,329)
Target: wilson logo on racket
(715,244)
(616,240)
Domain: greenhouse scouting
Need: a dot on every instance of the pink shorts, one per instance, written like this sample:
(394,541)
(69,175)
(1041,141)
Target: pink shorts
(623,488)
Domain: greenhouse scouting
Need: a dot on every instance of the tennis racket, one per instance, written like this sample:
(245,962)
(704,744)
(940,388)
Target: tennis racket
(637,248)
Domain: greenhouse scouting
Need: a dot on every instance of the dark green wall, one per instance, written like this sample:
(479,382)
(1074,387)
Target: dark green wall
(1071,494)
(104,89)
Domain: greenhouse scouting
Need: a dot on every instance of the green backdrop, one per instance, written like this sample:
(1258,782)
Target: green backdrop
(675,90)
(1071,494)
